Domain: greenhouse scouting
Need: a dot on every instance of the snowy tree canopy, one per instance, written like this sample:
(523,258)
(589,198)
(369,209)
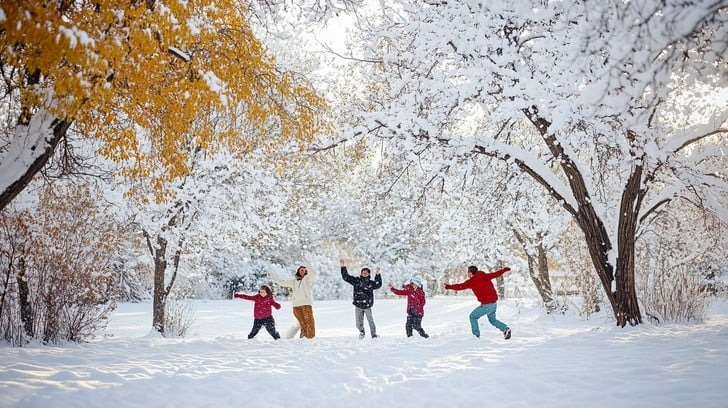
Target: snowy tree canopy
(624,105)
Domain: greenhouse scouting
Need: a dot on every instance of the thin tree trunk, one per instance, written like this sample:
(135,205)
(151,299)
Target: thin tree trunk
(159,254)
(6,283)
(159,299)
(544,279)
(26,312)
(538,271)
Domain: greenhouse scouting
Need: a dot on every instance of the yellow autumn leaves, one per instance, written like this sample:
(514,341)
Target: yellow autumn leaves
(155,80)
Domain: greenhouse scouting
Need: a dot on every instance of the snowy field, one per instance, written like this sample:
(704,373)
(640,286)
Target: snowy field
(559,361)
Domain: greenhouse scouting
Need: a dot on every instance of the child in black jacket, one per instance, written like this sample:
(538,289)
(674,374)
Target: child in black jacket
(363,296)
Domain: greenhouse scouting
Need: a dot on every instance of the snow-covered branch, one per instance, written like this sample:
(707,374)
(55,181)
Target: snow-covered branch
(695,133)
(534,168)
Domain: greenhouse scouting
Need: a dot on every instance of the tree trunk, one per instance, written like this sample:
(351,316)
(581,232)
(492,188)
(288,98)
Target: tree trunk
(623,297)
(544,279)
(26,312)
(538,271)
(8,272)
(626,296)
(159,298)
(159,254)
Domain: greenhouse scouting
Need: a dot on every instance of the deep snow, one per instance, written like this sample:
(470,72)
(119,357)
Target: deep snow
(560,361)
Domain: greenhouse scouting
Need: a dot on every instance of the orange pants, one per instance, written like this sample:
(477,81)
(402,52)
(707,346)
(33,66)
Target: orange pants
(304,315)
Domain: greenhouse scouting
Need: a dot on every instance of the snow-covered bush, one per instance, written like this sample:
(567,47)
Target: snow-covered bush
(57,278)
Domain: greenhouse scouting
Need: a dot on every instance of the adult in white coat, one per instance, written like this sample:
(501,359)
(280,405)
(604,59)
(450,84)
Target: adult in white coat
(301,299)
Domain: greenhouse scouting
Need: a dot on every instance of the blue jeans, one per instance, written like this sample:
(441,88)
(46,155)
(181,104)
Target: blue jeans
(485,309)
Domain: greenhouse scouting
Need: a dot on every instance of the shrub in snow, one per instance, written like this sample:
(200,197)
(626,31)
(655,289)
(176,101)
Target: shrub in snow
(57,282)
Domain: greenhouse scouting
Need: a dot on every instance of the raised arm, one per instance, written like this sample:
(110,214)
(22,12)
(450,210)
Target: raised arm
(344,273)
(378,279)
(281,281)
(312,273)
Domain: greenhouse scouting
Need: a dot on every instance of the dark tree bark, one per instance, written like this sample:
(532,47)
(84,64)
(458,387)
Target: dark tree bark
(159,254)
(60,127)
(26,312)
(159,298)
(623,297)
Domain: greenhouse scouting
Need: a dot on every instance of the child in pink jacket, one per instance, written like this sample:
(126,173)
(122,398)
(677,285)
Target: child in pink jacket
(415,305)
(262,312)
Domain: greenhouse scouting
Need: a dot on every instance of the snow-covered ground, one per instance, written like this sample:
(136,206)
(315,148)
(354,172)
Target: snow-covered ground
(561,361)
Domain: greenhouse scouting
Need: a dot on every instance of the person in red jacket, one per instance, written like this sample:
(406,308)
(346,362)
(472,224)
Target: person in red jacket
(415,305)
(262,312)
(481,285)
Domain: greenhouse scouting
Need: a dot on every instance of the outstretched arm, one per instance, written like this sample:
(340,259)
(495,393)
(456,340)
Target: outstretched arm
(244,296)
(493,275)
(459,286)
(400,292)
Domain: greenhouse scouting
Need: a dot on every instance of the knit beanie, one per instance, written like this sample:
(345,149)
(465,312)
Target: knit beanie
(416,280)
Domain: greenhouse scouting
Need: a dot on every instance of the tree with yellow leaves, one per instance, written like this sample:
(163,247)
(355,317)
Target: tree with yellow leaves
(152,80)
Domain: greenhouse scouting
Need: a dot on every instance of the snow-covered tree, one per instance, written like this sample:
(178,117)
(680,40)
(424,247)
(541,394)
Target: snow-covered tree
(625,101)
(225,213)
(143,77)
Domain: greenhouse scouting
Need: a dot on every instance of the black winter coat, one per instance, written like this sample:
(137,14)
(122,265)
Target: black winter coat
(363,288)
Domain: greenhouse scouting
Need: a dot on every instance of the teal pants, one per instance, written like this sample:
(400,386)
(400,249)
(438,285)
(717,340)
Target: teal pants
(488,310)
